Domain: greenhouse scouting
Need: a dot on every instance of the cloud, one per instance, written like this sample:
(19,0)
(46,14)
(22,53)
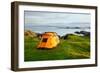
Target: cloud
(51,18)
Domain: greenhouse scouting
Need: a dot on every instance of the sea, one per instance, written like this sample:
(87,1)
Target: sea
(60,30)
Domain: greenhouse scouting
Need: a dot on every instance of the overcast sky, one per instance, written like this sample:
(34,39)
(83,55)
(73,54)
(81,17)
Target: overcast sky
(56,18)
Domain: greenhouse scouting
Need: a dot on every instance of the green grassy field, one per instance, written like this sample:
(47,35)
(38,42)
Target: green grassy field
(74,47)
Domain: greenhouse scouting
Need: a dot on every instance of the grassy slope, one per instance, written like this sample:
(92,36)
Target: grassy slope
(75,47)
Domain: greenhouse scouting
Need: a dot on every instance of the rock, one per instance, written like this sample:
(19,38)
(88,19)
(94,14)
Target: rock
(29,33)
(85,33)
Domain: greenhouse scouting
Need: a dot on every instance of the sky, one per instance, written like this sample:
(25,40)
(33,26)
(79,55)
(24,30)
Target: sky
(56,18)
(44,21)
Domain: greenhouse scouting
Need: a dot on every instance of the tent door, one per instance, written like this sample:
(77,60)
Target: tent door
(44,41)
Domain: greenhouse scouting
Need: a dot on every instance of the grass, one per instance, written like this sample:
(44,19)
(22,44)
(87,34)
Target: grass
(74,47)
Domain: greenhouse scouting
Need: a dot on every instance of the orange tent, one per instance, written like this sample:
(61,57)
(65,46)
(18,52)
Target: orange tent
(49,40)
